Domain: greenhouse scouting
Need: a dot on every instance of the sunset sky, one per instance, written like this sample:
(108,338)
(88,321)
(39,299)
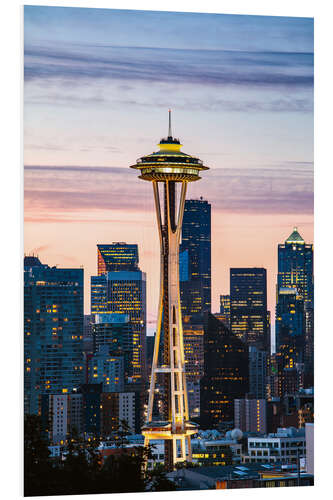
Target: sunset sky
(98,85)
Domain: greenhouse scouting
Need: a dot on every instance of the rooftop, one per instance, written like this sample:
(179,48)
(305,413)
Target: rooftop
(251,470)
(31,261)
(295,237)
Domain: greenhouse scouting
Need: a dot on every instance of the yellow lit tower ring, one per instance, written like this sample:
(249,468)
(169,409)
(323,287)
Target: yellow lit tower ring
(169,170)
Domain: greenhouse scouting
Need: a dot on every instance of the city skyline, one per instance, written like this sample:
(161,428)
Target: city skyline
(220,271)
(253,127)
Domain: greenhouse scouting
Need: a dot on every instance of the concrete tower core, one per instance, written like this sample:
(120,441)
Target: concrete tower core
(169,169)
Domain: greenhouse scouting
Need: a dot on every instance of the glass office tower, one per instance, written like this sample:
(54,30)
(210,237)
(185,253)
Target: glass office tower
(195,261)
(124,292)
(248,305)
(53,331)
(295,267)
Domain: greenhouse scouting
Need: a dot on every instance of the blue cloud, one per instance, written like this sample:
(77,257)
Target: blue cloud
(214,67)
(281,189)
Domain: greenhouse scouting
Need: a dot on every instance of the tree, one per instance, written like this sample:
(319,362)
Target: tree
(37,465)
(158,480)
(124,471)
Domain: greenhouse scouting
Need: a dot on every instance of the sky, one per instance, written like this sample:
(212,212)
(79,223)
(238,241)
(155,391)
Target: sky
(98,86)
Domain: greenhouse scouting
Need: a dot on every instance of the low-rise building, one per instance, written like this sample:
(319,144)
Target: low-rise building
(61,415)
(286,446)
(216,452)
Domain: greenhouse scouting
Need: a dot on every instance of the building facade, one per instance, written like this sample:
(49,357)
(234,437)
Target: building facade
(309,443)
(248,306)
(290,320)
(107,369)
(117,257)
(193,336)
(225,309)
(286,446)
(250,415)
(119,412)
(295,266)
(53,331)
(124,292)
(62,416)
(226,374)
(295,311)
(257,373)
(114,331)
(195,261)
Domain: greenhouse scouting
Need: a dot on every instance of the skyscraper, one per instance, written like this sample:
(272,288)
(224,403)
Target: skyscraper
(117,257)
(194,364)
(248,305)
(226,374)
(195,261)
(53,331)
(124,292)
(295,267)
(294,308)
(195,291)
(170,170)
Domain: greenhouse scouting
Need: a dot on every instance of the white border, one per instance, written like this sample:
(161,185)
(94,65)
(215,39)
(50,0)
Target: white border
(12,229)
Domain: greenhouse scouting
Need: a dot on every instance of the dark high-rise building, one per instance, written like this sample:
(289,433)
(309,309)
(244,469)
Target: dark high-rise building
(118,407)
(248,305)
(290,319)
(257,372)
(195,261)
(53,331)
(226,374)
(117,257)
(91,408)
(124,292)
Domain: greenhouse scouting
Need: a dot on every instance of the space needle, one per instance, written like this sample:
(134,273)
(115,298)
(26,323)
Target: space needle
(170,170)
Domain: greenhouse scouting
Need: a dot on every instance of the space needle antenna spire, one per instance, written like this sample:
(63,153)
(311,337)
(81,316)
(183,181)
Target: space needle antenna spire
(169,133)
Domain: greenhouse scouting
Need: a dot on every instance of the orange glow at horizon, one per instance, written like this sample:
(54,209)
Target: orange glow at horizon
(238,240)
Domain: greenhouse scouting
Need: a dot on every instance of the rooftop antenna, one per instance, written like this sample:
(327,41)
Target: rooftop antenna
(169,134)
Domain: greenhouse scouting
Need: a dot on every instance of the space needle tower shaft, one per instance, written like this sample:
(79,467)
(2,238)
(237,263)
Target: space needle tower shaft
(170,170)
